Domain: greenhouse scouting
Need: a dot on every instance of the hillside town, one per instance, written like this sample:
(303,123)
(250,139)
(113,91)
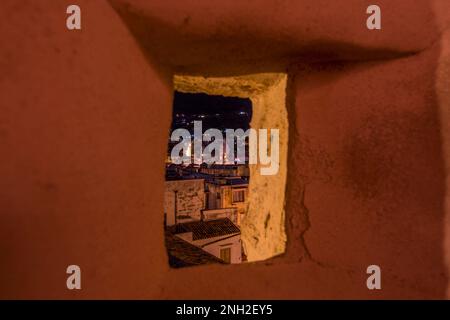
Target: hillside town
(205,203)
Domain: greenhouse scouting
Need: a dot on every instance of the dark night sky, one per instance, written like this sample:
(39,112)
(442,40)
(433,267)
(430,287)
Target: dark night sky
(215,111)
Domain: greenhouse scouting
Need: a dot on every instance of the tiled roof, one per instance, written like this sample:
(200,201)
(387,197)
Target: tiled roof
(208,229)
(184,254)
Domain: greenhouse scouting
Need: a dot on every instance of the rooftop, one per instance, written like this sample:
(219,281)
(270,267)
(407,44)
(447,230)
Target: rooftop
(184,254)
(225,166)
(207,229)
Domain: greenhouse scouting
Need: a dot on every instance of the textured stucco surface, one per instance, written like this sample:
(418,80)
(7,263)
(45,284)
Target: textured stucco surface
(443,94)
(370,149)
(80,143)
(83,134)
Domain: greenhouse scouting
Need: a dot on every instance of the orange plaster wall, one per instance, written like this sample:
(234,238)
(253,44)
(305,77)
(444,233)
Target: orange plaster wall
(83,133)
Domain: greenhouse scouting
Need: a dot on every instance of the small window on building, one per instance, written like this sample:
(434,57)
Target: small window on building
(238,195)
(225,255)
(198,198)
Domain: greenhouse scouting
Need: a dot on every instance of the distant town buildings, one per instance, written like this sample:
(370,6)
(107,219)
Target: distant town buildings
(204,204)
(203,208)
(184,200)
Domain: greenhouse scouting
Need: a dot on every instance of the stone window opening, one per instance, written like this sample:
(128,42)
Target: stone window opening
(262,221)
